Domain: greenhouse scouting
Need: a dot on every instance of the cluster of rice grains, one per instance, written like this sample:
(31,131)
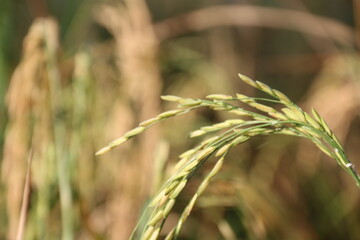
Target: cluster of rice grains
(291,120)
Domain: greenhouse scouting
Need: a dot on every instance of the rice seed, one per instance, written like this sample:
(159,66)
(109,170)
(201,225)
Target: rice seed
(202,187)
(134,132)
(156,218)
(190,166)
(244,98)
(181,174)
(149,122)
(155,234)
(289,113)
(240,112)
(171,98)
(178,189)
(343,162)
(233,122)
(178,227)
(219,126)
(209,140)
(298,112)
(288,132)
(240,139)
(163,200)
(209,128)
(118,141)
(316,115)
(111,145)
(103,150)
(206,152)
(172,185)
(324,149)
(170,113)
(157,199)
(188,102)
(326,128)
(219,97)
(265,88)
(277,115)
(170,235)
(311,132)
(189,207)
(148,232)
(216,168)
(336,139)
(223,150)
(310,120)
(168,207)
(247,80)
(187,153)
(262,107)
(197,133)
(282,97)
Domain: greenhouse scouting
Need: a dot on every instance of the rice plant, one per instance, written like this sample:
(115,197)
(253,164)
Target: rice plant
(263,120)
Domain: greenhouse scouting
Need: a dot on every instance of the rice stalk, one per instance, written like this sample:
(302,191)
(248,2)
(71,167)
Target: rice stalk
(289,120)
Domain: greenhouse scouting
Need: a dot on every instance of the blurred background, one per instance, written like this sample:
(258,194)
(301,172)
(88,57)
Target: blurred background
(77,74)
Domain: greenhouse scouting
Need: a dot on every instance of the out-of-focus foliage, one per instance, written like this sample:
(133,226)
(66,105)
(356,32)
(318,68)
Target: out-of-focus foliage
(77,74)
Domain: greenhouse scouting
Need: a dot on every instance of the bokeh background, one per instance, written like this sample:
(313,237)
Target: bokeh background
(76,74)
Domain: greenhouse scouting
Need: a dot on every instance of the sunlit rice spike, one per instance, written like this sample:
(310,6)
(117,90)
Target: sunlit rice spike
(291,120)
